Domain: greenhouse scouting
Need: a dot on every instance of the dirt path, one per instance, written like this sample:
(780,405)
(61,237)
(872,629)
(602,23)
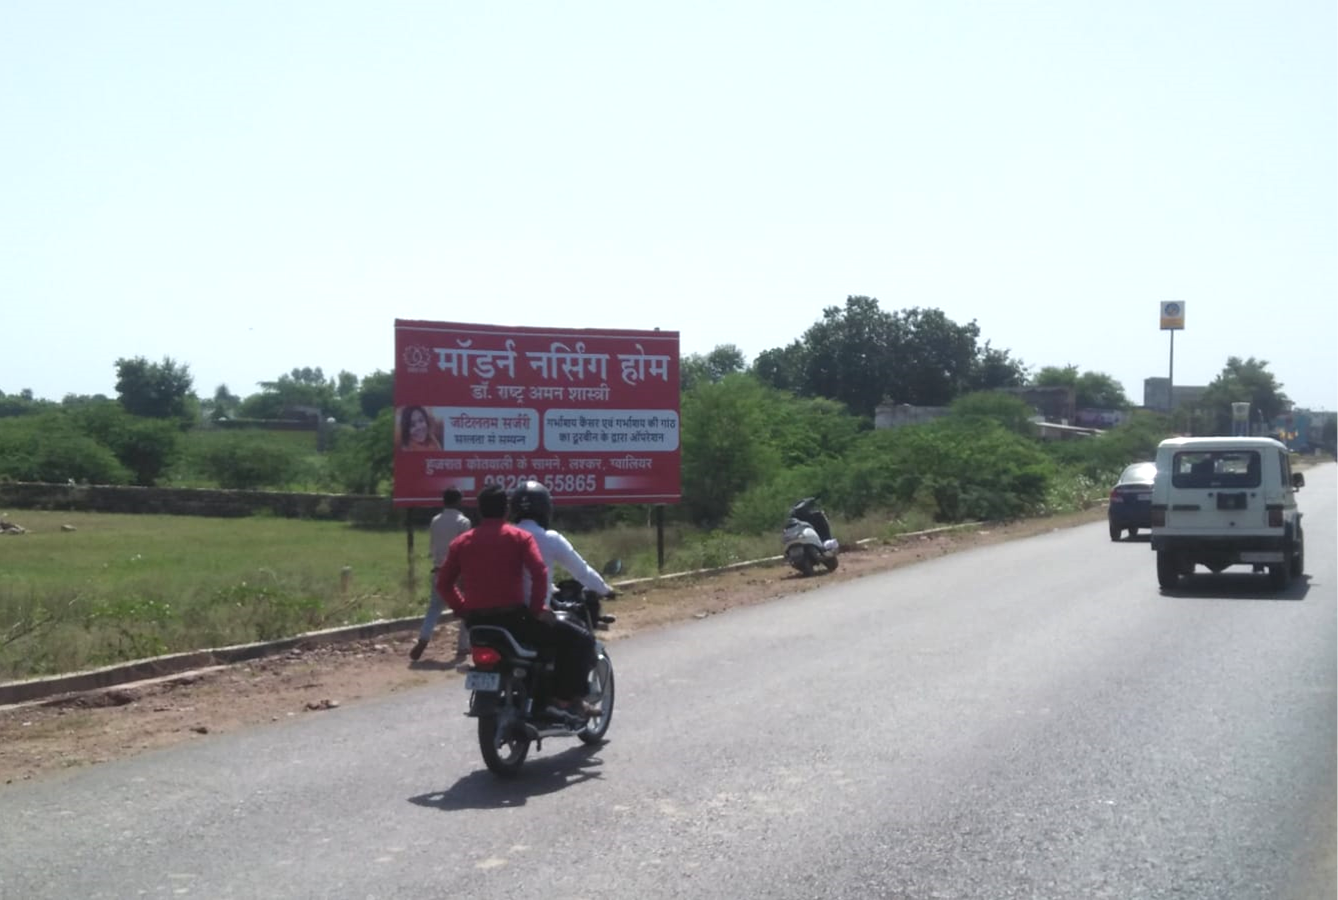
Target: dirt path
(41,739)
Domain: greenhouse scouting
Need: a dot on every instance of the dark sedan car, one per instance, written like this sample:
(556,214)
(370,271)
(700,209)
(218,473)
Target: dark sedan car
(1131,500)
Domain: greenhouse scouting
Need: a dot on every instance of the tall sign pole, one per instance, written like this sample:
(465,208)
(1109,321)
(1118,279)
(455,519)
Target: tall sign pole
(1172,320)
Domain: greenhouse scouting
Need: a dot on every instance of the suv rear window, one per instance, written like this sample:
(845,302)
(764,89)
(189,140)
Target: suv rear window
(1216,469)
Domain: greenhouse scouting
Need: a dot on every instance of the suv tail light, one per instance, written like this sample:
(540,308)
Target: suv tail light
(1158,517)
(1274,516)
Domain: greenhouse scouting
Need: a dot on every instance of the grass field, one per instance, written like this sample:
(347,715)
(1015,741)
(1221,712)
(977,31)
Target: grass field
(125,586)
(120,587)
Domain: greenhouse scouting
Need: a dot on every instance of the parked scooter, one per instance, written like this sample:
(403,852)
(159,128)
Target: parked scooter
(808,538)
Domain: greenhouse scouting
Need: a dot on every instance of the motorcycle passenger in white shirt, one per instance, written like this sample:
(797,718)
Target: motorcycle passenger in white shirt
(531,510)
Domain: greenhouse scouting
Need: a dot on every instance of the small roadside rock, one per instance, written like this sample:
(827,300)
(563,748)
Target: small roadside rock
(316,705)
(68,527)
(201,729)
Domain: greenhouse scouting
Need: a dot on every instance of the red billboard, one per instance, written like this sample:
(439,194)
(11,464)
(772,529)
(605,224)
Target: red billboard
(590,413)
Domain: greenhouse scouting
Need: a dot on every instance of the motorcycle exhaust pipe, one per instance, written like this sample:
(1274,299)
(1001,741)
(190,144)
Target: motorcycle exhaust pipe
(538,734)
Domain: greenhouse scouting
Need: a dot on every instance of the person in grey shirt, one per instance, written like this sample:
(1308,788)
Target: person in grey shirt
(446,526)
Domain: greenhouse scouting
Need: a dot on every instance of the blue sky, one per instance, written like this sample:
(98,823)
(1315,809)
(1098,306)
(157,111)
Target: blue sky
(249,187)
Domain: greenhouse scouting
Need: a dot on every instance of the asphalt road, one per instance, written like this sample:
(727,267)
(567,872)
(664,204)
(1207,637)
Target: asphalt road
(1033,719)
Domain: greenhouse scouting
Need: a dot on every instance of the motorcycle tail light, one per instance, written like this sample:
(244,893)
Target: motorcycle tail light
(485,656)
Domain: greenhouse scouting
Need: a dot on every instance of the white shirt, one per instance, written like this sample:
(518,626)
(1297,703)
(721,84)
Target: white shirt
(446,526)
(555,548)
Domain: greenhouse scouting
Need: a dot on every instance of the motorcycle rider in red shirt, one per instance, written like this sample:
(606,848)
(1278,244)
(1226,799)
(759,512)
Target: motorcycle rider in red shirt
(483,581)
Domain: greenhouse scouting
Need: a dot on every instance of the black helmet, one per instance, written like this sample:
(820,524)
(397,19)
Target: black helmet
(531,500)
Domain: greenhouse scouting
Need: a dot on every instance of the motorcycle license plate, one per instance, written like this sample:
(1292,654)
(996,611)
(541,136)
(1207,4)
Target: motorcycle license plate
(483,681)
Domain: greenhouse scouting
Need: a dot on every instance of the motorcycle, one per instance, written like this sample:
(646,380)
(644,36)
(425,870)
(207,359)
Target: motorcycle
(509,685)
(808,538)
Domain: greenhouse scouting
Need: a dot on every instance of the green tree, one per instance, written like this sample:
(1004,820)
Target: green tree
(782,367)
(849,355)
(1091,390)
(1240,381)
(959,467)
(302,393)
(156,390)
(146,447)
(721,452)
(809,430)
(49,447)
(223,405)
(362,460)
(246,461)
(1009,411)
(377,392)
(996,369)
(1097,390)
(725,359)
(811,436)
(21,404)
(937,358)
(863,356)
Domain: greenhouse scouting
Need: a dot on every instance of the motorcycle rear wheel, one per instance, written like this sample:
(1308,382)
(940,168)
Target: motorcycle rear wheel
(601,687)
(802,560)
(503,754)
(830,564)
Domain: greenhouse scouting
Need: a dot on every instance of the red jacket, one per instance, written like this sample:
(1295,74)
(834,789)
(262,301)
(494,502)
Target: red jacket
(490,561)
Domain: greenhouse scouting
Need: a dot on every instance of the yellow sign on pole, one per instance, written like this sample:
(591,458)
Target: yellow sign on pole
(1173,316)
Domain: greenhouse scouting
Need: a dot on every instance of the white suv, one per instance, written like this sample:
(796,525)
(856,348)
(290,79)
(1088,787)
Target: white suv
(1226,501)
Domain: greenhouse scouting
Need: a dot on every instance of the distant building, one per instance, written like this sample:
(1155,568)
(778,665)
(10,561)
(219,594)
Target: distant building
(1052,404)
(1156,394)
(1100,418)
(1053,431)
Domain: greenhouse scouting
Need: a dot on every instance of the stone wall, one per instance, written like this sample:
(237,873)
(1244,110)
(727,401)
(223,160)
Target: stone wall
(363,509)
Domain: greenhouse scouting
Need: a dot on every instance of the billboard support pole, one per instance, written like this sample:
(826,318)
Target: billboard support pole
(408,543)
(1170,379)
(659,535)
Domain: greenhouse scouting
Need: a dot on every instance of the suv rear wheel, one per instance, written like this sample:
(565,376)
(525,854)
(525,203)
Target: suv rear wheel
(1168,569)
(1298,557)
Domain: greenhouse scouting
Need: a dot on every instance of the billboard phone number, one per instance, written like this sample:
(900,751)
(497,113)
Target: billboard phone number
(557,484)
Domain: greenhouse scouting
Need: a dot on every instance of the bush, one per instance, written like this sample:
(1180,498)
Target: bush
(49,447)
(1101,458)
(144,446)
(362,460)
(764,508)
(971,468)
(249,461)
